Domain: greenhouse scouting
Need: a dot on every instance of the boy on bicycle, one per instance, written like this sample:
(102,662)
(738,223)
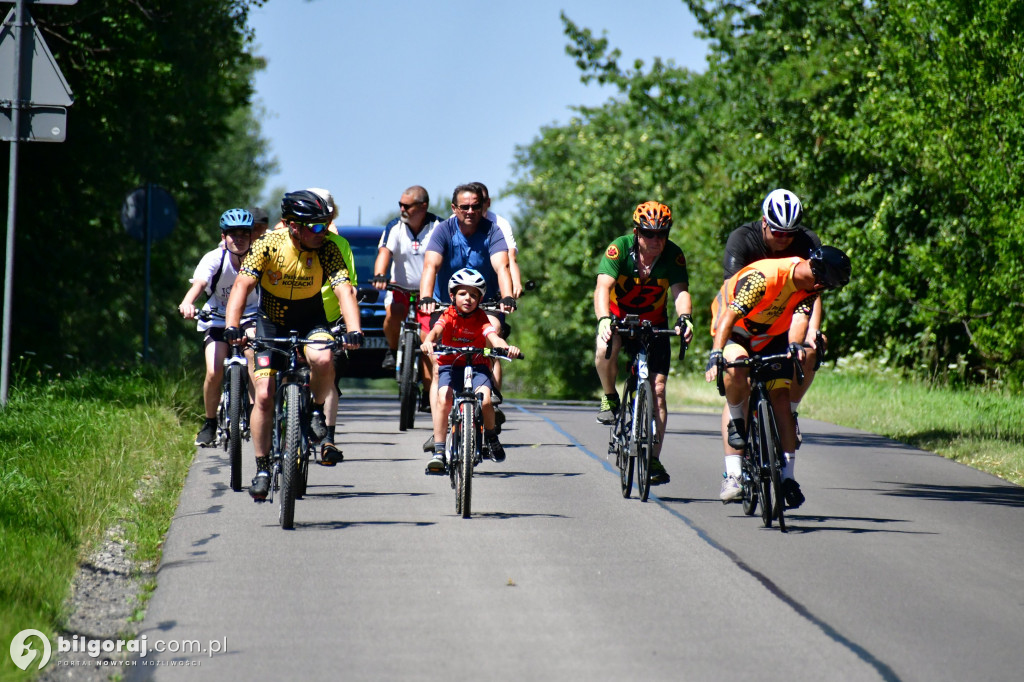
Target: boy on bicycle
(636,276)
(214,276)
(765,308)
(464,324)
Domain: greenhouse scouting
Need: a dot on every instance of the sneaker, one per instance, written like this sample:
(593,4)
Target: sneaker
(389,360)
(428,444)
(799,436)
(609,410)
(436,466)
(737,434)
(499,419)
(208,434)
(791,491)
(330,455)
(260,486)
(318,425)
(731,489)
(494,449)
(658,473)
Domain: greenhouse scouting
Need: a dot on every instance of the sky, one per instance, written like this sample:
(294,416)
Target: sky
(366,98)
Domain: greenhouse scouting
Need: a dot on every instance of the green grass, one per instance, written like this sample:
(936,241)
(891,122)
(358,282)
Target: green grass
(979,427)
(79,456)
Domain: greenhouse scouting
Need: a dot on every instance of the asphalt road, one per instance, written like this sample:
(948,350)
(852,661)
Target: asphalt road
(900,566)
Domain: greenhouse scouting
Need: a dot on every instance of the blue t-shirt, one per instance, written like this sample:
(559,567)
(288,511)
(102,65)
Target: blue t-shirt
(459,251)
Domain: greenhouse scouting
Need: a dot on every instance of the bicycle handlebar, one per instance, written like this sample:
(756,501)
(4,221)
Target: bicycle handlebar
(501,353)
(262,343)
(756,363)
(633,326)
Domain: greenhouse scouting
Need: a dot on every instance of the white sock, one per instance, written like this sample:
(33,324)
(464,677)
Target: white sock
(735,411)
(790,465)
(732,466)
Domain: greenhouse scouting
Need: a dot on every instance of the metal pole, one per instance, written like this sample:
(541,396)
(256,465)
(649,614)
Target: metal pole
(20,14)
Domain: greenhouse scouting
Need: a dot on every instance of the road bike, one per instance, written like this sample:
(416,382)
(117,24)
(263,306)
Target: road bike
(291,448)
(762,461)
(465,427)
(633,437)
(234,406)
(407,361)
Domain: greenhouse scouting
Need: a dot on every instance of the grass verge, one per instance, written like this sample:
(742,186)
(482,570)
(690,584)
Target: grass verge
(78,456)
(977,427)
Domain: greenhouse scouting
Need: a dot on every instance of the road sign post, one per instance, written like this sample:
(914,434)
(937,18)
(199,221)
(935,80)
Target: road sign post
(38,91)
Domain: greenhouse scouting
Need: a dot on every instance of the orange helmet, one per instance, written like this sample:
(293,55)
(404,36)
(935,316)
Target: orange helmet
(651,215)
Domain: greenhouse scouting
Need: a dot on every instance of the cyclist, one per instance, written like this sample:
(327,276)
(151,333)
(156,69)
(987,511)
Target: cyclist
(290,268)
(636,274)
(464,324)
(465,240)
(260,222)
(766,308)
(214,276)
(778,234)
(402,246)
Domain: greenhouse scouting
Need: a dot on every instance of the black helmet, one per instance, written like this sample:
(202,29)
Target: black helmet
(830,266)
(304,207)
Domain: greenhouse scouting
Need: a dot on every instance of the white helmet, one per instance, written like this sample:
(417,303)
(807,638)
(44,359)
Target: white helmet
(782,209)
(467,277)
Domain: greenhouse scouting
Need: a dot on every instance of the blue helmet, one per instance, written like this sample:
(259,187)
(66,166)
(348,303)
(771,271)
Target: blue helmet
(235,219)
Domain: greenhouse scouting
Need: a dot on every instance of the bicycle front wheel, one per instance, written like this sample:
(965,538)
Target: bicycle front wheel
(773,447)
(764,478)
(622,441)
(236,385)
(643,444)
(467,446)
(291,441)
(407,382)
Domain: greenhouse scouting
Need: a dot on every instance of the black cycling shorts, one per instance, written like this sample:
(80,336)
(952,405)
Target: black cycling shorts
(268,362)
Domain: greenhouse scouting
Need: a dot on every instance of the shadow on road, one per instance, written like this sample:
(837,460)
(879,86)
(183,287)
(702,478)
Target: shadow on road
(1005,494)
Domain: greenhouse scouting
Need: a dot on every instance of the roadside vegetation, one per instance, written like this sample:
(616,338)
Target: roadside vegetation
(80,456)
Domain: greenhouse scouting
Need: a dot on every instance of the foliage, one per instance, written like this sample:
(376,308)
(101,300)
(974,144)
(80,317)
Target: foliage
(163,90)
(896,123)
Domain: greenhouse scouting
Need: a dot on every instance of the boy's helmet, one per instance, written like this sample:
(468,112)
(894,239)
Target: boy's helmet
(651,215)
(782,209)
(467,277)
(235,219)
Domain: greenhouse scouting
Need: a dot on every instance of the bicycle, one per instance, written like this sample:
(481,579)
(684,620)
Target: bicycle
(407,362)
(234,406)
(634,435)
(465,428)
(291,446)
(762,462)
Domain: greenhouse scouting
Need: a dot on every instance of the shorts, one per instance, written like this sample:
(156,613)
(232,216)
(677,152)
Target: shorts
(455,379)
(781,375)
(659,353)
(216,334)
(401,299)
(268,363)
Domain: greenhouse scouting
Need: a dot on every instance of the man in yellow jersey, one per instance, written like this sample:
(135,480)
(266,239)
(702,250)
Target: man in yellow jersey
(290,267)
(765,309)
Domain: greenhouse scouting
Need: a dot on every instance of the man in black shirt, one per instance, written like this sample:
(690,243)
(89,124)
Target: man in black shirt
(778,234)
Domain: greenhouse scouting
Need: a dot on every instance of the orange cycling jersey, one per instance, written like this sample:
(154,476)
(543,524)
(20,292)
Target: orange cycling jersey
(765,297)
(470,331)
(290,278)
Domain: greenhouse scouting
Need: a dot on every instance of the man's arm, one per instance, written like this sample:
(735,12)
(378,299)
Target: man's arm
(380,267)
(500,263)
(602,303)
(725,324)
(513,268)
(431,264)
(244,284)
(346,295)
(684,306)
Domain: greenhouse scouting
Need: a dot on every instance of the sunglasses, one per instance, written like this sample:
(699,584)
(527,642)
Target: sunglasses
(406,207)
(315,228)
(654,234)
(466,208)
(780,234)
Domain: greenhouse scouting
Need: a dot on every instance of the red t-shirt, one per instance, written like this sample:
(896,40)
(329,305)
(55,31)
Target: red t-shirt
(459,331)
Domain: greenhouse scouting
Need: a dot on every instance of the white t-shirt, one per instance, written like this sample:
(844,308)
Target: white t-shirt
(506,229)
(407,251)
(207,271)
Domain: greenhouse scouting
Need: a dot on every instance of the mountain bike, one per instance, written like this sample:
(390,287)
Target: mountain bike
(234,406)
(465,428)
(291,446)
(762,462)
(633,437)
(407,362)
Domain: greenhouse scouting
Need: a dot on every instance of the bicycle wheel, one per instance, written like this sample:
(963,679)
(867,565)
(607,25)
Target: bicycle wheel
(748,472)
(644,441)
(467,448)
(407,397)
(764,479)
(623,427)
(773,448)
(290,443)
(236,387)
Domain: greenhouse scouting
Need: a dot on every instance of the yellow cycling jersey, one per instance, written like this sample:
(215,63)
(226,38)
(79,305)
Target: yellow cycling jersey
(290,278)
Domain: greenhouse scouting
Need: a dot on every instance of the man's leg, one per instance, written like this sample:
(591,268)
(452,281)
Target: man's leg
(321,384)
(607,369)
(393,317)
(780,398)
(262,420)
(737,390)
